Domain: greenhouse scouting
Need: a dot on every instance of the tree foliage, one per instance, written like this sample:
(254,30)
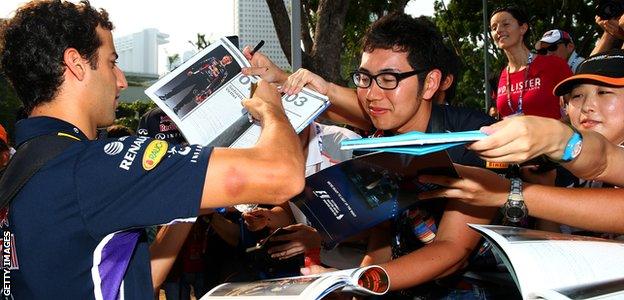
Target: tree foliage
(330,31)
(129,113)
(461,23)
(328,27)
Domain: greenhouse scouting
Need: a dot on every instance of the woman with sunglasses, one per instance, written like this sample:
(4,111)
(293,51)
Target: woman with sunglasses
(526,83)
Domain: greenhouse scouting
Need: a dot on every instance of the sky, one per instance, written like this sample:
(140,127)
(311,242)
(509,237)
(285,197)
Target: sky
(180,19)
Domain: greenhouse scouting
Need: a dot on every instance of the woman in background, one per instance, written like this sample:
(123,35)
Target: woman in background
(526,83)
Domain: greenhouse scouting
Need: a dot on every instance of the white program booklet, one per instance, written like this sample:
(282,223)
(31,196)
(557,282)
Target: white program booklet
(370,280)
(548,265)
(203,97)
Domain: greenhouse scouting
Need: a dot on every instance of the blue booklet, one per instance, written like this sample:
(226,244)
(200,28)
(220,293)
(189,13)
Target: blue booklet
(415,143)
(357,194)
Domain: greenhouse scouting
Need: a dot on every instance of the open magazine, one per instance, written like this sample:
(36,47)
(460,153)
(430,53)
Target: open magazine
(370,280)
(357,194)
(547,265)
(415,143)
(203,97)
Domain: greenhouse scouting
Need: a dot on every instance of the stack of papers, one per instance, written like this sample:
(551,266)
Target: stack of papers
(415,143)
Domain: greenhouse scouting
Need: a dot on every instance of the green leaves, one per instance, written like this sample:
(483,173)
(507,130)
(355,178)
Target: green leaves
(461,25)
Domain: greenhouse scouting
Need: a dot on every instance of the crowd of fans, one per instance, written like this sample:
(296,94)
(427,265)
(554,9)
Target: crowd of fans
(550,103)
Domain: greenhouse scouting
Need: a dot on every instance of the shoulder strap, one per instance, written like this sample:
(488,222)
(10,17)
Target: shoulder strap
(28,159)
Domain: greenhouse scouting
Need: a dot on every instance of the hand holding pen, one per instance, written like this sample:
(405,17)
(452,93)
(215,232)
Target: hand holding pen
(253,84)
(263,66)
(257,48)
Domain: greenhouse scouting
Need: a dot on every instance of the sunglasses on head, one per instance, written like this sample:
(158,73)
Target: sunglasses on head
(551,48)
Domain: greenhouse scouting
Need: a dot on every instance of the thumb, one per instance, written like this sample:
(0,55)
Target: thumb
(313,269)
(247,52)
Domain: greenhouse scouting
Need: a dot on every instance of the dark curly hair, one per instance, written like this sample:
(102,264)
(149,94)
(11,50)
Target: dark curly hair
(402,33)
(32,44)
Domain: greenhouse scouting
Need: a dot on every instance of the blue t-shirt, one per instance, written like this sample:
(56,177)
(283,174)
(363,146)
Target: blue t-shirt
(78,222)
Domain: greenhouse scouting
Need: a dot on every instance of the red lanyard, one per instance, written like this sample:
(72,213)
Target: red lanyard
(526,75)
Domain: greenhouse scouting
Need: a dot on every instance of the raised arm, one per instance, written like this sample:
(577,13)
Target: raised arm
(612,31)
(591,209)
(271,172)
(519,139)
(448,253)
(345,107)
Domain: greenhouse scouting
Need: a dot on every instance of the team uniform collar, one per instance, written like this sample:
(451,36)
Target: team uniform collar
(37,126)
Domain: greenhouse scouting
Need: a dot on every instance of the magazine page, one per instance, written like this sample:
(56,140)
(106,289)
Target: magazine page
(549,261)
(283,288)
(367,280)
(301,109)
(203,97)
(360,193)
(413,138)
(601,290)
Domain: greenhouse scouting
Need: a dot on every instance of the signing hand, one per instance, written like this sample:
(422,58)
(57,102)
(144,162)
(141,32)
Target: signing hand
(262,66)
(266,102)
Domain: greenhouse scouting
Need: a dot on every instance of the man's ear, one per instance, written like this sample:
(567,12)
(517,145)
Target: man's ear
(75,64)
(447,82)
(431,84)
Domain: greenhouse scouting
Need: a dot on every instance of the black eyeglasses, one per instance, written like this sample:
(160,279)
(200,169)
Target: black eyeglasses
(551,48)
(385,80)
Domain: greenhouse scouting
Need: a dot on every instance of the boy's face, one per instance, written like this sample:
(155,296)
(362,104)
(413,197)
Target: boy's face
(394,109)
(598,108)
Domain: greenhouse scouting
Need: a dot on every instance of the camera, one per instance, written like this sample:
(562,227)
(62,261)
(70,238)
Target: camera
(609,9)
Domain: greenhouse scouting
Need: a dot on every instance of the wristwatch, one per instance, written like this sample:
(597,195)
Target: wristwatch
(515,209)
(573,148)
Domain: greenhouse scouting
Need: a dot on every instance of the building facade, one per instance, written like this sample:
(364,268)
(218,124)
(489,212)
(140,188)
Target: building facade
(252,23)
(138,52)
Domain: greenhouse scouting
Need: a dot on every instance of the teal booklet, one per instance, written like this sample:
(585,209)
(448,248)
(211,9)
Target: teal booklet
(414,143)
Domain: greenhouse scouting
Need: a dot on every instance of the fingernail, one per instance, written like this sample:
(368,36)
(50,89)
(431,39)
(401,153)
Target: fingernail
(304,271)
(487,130)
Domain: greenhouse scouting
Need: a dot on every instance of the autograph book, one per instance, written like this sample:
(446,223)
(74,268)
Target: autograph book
(548,265)
(370,280)
(203,97)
